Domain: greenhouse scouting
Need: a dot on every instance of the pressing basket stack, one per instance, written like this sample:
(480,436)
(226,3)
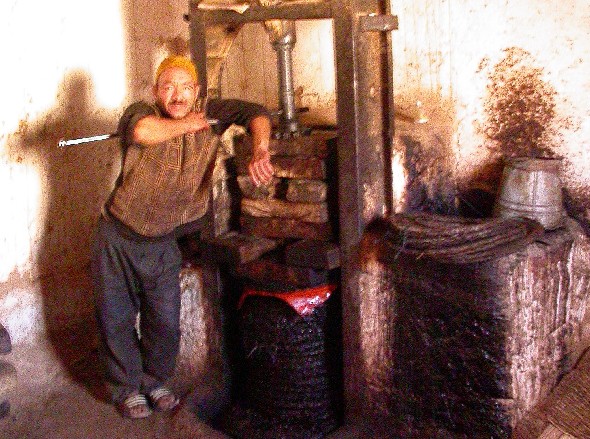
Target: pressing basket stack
(282,254)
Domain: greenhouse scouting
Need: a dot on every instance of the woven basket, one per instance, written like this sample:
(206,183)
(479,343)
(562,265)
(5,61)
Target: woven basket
(291,381)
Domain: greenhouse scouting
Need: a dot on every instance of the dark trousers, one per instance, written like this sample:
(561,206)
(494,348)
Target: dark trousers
(135,276)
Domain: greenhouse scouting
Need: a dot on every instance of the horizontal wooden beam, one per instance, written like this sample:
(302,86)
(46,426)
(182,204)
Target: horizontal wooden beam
(211,14)
(285,228)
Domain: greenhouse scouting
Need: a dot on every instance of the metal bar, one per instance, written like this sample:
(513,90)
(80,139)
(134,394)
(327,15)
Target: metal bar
(198,47)
(64,143)
(288,116)
(287,11)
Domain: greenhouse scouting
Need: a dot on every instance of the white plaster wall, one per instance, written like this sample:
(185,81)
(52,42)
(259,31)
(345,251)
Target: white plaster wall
(446,50)
(250,70)
(445,56)
(68,70)
(70,67)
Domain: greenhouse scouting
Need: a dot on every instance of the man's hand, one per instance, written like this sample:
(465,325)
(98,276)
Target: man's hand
(260,169)
(197,122)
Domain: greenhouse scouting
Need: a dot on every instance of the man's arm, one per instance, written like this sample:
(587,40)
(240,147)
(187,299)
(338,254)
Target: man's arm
(256,119)
(260,169)
(153,129)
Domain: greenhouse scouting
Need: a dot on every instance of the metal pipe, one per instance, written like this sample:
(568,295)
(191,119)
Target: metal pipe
(284,49)
(63,143)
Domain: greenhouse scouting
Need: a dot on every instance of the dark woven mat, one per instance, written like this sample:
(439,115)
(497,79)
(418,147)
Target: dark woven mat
(291,373)
(449,370)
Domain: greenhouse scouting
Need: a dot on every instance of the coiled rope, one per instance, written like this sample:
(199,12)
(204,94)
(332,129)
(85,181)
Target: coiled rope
(449,239)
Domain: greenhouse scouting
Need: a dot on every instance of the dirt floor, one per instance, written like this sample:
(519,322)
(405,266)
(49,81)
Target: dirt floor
(59,395)
(54,400)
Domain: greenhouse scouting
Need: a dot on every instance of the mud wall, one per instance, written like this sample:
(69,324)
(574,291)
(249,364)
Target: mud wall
(490,81)
(69,69)
(495,79)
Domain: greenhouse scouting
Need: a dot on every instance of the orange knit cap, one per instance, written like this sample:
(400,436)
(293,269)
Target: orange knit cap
(177,61)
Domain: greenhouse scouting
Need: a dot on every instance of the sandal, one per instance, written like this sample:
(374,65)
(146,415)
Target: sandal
(163,400)
(135,407)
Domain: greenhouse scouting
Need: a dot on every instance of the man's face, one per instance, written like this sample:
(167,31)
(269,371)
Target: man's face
(176,92)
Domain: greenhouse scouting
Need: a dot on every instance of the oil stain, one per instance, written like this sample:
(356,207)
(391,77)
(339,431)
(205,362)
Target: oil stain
(520,106)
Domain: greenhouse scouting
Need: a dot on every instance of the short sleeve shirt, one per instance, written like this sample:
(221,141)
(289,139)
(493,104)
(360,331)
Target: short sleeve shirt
(164,186)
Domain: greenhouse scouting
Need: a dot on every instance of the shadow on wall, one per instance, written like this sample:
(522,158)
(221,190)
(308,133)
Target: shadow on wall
(74,183)
(523,121)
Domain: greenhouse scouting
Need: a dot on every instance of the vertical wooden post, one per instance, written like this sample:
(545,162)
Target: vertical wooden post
(363,140)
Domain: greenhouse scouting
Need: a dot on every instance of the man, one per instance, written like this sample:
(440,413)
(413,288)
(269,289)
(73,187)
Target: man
(164,184)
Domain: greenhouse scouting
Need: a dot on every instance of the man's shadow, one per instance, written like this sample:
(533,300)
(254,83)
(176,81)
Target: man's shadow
(75,181)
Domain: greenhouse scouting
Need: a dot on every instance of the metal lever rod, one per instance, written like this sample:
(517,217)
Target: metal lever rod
(64,143)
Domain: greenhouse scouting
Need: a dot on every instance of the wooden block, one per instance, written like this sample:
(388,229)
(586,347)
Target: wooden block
(271,273)
(315,145)
(289,167)
(306,191)
(310,168)
(250,190)
(313,213)
(315,254)
(235,248)
(285,228)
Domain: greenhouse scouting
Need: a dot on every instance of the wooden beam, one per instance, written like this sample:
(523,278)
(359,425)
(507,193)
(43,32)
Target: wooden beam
(236,249)
(212,14)
(364,131)
(315,254)
(285,228)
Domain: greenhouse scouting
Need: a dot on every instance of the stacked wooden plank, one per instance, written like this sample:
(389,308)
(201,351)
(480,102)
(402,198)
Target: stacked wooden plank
(296,211)
(284,247)
(295,204)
